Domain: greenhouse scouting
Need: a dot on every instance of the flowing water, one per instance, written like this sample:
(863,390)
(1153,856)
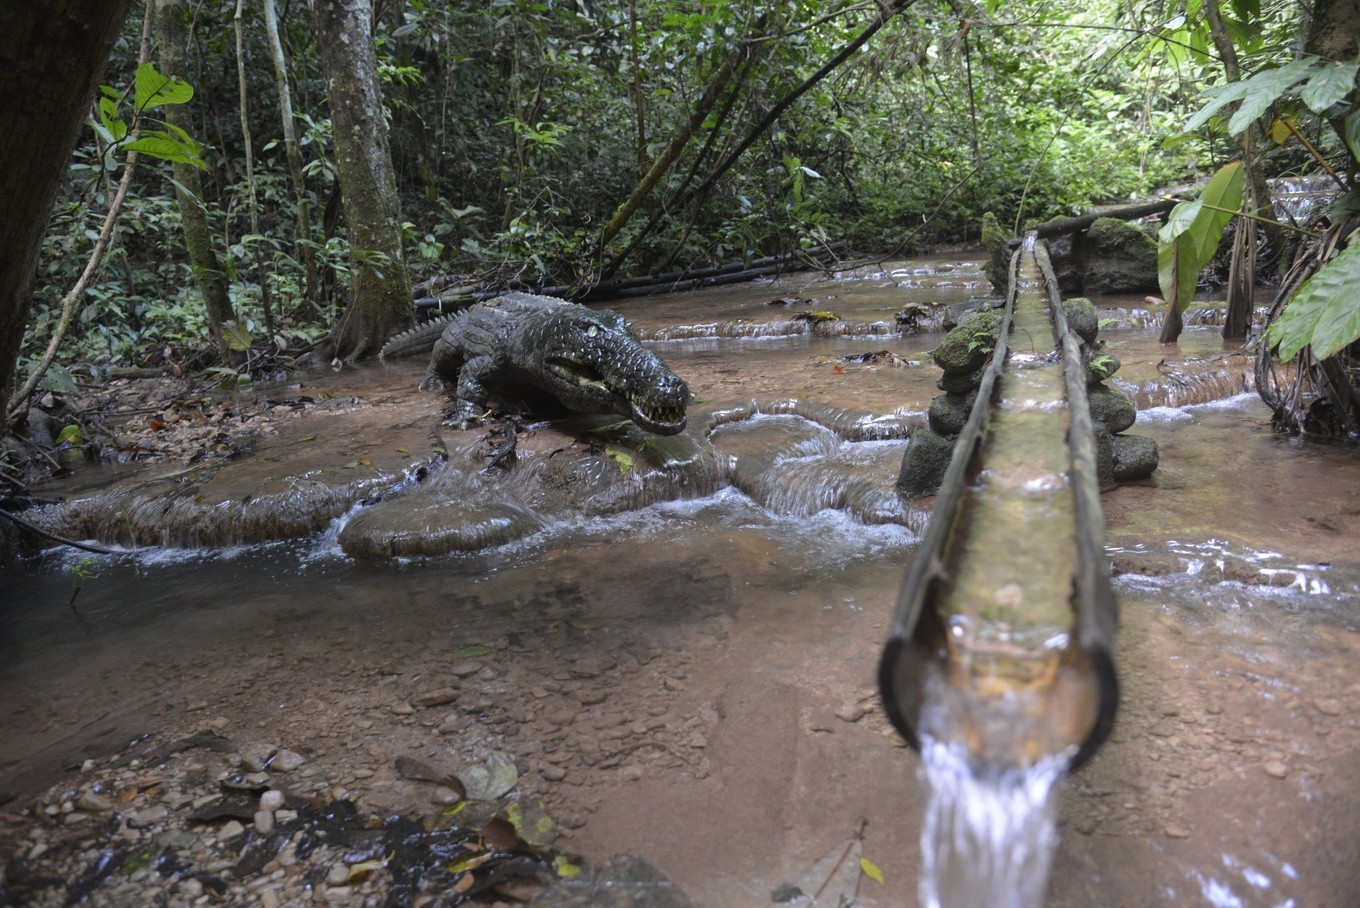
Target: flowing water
(692,681)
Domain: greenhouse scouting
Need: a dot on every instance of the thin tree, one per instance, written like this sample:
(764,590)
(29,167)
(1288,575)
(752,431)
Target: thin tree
(380,288)
(54,52)
(292,151)
(172,24)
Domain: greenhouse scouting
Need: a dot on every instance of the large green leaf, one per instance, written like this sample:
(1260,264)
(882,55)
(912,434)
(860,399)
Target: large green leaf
(1266,88)
(1190,237)
(1328,85)
(154,89)
(1256,92)
(1324,313)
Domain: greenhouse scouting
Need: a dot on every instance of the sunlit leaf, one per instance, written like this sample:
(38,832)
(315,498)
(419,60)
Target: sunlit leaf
(871,870)
(360,871)
(70,435)
(1265,88)
(472,652)
(1279,131)
(1191,235)
(155,89)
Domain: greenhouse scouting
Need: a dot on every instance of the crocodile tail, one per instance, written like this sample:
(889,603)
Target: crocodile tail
(419,339)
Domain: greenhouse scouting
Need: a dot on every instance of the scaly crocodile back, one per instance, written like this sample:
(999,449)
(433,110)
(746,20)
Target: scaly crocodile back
(419,339)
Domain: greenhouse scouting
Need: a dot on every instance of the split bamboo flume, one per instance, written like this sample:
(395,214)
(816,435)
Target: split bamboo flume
(1003,639)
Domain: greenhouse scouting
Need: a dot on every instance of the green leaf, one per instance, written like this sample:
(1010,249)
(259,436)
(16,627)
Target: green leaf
(69,435)
(1328,85)
(155,90)
(236,336)
(1190,237)
(472,652)
(1350,128)
(1324,313)
(108,115)
(1265,88)
(163,145)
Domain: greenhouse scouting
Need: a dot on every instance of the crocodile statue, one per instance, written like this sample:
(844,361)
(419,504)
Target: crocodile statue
(549,355)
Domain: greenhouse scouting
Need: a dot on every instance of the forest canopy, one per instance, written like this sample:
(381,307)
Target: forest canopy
(519,130)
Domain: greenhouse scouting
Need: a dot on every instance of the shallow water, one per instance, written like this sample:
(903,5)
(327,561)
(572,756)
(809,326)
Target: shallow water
(690,667)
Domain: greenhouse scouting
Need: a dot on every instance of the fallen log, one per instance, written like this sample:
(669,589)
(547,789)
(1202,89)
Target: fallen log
(1132,212)
(646,284)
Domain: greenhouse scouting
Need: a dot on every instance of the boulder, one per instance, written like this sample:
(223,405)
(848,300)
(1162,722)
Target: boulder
(1082,318)
(1117,257)
(1135,457)
(966,348)
(924,464)
(1111,408)
(949,412)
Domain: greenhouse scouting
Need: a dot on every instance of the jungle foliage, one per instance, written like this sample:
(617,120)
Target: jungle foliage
(519,127)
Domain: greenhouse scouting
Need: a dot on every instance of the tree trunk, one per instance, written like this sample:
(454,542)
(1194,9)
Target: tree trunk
(380,289)
(293,151)
(1242,272)
(54,53)
(172,26)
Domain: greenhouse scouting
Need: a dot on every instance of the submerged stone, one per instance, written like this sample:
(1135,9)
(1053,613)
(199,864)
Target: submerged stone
(1135,457)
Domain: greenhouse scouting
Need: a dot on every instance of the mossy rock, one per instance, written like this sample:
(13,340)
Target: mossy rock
(924,464)
(966,347)
(1104,457)
(1111,408)
(949,412)
(1119,258)
(959,382)
(1135,457)
(1082,318)
(994,240)
(1100,365)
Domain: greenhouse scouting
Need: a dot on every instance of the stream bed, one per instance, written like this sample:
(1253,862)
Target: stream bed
(692,681)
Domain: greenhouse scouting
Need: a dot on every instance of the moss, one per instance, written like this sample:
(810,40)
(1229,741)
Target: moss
(967,346)
(1082,318)
(994,240)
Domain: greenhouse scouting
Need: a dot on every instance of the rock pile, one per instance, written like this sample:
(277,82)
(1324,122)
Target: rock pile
(963,355)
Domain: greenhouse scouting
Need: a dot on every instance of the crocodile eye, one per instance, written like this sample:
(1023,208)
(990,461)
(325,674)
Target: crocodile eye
(592,331)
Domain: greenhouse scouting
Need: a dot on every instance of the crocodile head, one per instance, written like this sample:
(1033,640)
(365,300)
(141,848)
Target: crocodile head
(590,360)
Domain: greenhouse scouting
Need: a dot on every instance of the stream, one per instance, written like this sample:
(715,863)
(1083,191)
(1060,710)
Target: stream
(692,680)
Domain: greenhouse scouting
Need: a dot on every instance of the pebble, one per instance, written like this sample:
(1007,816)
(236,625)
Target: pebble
(403,708)
(287,760)
(232,830)
(338,875)
(445,796)
(464,669)
(850,712)
(1276,769)
(271,800)
(1327,706)
(264,821)
(1177,832)
(674,684)
(554,773)
(437,697)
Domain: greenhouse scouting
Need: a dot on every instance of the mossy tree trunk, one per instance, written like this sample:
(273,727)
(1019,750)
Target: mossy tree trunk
(172,24)
(380,288)
(54,53)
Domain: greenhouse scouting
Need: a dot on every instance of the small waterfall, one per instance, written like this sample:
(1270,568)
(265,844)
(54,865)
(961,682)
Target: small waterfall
(988,833)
